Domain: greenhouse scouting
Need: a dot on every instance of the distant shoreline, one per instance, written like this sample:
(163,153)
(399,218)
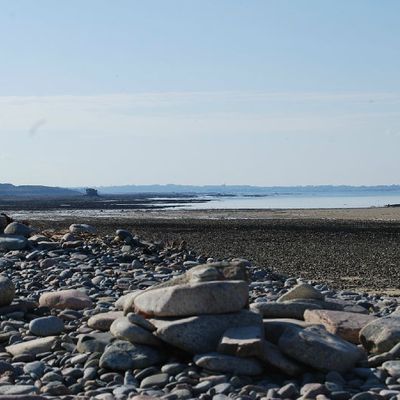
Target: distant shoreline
(374,214)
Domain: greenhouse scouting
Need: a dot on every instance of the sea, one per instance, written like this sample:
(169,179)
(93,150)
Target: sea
(291,201)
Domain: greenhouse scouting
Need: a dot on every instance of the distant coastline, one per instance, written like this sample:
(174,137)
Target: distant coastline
(10,190)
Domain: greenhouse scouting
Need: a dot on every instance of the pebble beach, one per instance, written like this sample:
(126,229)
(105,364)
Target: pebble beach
(91,314)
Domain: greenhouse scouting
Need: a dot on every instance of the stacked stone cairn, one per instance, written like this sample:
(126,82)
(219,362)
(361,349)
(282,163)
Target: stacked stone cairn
(90,317)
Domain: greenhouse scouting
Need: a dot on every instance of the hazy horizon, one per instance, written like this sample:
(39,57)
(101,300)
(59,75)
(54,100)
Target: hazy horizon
(263,93)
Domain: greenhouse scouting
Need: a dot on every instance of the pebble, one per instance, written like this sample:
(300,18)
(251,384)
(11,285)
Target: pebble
(46,326)
(7,291)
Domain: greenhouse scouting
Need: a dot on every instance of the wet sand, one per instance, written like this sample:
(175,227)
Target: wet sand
(346,248)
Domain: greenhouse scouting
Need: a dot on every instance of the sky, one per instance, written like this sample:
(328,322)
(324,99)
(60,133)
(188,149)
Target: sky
(258,92)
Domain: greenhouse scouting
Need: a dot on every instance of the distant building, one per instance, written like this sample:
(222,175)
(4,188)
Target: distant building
(91,192)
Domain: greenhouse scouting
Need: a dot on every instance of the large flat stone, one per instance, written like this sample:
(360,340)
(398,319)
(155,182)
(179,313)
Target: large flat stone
(287,309)
(218,271)
(242,341)
(34,347)
(319,349)
(344,324)
(216,297)
(381,335)
(201,334)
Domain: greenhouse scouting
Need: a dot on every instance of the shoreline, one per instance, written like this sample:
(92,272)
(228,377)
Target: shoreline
(378,214)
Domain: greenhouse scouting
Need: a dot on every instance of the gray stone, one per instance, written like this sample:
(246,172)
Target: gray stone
(215,271)
(287,309)
(34,347)
(70,298)
(103,321)
(121,328)
(11,242)
(273,357)
(229,364)
(381,335)
(216,297)
(140,321)
(302,291)
(274,327)
(392,368)
(319,349)
(82,228)
(35,368)
(125,302)
(18,229)
(202,334)
(7,291)
(46,326)
(122,355)
(242,341)
(14,390)
(158,380)
(123,234)
(94,342)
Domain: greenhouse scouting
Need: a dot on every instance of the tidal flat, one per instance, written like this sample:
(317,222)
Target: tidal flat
(354,249)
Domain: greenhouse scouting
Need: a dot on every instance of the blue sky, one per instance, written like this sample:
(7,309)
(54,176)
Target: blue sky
(200,92)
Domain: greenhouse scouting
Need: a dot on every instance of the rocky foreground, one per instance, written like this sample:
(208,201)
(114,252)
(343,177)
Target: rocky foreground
(115,317)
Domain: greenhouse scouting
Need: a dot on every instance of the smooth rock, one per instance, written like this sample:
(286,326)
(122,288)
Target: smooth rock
(215,271)
(11,242)
(71,298)
(381,335)
(302,291)
(274,327)
(125,302)
(344,324)
(16,228)
(158,380)
(94,342)
(392,368)
(122,356)
(287,309)
(7,291)
(273,357)
(215,297)
(228,364)
(82,228)
(46,326)
(202,334)
(103,321)
(242,341)
(141,321)
(18,390)
(121,328)
(34,347)
(319,349)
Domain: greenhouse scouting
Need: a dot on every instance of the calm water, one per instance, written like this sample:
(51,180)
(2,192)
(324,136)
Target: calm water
(295,202)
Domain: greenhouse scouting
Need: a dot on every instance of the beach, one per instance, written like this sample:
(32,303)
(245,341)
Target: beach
(353,249)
